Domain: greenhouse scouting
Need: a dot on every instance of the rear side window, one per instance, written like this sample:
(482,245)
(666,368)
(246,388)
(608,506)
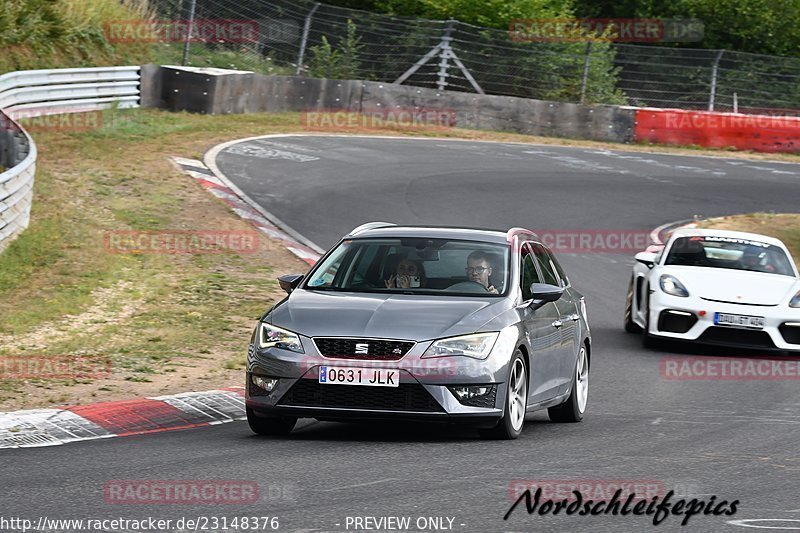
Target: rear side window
(545,265)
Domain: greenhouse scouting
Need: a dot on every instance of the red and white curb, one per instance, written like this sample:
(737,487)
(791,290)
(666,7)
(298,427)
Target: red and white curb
(246,209)
(660,235)
(51,427)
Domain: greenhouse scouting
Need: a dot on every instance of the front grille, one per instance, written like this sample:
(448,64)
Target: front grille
(742,337)
(406,397)
(791,334)
(376,349)
(675,323)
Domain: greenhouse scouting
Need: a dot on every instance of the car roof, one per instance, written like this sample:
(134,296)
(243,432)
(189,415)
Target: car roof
(438,232)
(694,232)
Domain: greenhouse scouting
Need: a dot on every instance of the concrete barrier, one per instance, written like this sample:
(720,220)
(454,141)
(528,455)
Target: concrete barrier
(218,91)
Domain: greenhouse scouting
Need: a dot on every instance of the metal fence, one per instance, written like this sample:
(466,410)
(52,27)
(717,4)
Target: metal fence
(33,93)
(457,56)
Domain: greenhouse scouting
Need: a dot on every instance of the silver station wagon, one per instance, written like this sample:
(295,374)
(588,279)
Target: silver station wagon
(455,325)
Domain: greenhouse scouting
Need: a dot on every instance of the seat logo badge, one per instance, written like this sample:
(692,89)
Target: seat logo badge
(362,348)
(397,351)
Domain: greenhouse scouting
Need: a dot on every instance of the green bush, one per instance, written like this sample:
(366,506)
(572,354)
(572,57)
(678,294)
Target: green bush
(341,63)
(67,33)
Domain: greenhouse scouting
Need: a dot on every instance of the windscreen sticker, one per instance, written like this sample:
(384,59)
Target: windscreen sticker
(735,240)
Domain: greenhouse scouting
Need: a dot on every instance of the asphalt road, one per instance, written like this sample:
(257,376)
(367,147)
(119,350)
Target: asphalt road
(736,440)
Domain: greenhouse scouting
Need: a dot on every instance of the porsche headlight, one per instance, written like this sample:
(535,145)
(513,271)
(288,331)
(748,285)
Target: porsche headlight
(274,337)
(671,285)
(795,301)
(476,345)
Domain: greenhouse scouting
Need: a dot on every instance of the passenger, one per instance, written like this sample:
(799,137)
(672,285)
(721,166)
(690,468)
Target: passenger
(479,268)
(410,275)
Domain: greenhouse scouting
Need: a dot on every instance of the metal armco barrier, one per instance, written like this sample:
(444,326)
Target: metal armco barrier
(33,93)
(760,133)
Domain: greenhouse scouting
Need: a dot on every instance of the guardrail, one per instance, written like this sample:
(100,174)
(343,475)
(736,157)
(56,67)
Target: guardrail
(31,93)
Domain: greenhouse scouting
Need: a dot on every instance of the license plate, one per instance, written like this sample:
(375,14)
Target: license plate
(369,377)
(739,321)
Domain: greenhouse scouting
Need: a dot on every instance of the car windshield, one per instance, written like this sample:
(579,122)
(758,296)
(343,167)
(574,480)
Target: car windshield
(415,266)
(729,252)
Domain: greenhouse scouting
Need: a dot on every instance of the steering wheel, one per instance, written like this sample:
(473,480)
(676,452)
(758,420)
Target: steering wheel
(467,286)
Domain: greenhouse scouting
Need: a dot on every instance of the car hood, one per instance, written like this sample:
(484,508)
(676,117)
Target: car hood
(378,315)
(737,286)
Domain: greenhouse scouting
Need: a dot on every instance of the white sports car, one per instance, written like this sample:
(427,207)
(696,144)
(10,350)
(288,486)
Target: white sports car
(718,287)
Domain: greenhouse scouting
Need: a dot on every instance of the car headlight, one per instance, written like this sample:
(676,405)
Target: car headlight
(275,337)
(476,345)
(795,301)
(671,285)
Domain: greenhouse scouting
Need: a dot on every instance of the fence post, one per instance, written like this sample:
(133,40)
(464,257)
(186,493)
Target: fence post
(304,39)
(188,33)
(714,81)
(444,56)
(585,70)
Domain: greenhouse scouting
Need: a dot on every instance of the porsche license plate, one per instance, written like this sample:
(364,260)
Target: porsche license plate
(370,377)
(739,321)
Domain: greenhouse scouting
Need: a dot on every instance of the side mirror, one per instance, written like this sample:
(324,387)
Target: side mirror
(648,259)
(543,292)
(289,282)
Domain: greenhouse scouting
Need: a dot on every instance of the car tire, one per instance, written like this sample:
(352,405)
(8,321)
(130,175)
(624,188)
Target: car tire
(510,426)
(630,325)
(573,409)
(270,425)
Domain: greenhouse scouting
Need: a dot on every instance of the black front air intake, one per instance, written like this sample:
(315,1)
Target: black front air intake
(405,397)
(676,322)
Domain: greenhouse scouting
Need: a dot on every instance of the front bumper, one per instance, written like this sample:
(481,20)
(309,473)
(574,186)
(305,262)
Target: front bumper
(422,394)
(781,329)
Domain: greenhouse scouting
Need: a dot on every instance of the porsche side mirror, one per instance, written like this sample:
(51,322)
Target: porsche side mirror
(648,259)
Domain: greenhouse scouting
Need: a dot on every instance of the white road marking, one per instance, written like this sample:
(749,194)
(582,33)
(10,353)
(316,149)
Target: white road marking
(361,484)
(659,164)
(749,523)
(264,152)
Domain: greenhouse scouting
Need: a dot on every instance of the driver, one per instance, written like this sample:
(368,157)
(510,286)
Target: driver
(479,268)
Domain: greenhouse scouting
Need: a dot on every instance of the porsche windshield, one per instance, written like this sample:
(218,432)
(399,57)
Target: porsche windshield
(729,252)
(414,265)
